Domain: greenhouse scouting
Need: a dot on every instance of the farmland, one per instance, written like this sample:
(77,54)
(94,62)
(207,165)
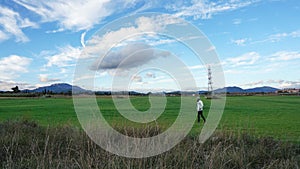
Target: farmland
(272,116)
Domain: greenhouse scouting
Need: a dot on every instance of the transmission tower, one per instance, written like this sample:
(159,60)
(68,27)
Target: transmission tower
(210,88)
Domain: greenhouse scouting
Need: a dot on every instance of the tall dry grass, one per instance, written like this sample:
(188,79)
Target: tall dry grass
(25,144)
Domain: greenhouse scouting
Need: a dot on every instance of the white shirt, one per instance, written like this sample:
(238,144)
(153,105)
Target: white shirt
(199,105)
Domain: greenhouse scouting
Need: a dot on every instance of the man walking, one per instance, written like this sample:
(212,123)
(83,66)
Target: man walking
(200,109)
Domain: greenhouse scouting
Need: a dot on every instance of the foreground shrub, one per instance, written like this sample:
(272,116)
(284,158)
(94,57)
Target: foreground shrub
(27,145)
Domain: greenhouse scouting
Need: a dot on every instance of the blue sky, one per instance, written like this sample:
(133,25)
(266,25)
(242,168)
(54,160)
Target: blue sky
(257,41)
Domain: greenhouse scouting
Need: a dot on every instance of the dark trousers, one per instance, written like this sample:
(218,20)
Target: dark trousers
(200,113)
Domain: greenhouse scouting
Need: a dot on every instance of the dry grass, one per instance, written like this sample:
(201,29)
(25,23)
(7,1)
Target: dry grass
(26,145)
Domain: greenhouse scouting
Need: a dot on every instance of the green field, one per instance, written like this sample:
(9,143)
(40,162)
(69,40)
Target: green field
(274,116)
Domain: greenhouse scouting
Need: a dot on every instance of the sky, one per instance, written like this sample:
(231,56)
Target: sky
(256,41)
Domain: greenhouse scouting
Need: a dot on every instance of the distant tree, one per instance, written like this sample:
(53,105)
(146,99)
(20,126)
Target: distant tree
(16,89)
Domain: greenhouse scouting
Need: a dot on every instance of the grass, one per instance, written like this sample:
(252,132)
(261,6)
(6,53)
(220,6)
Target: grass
(52,111)
(255,132)
(25,144)
(275,116)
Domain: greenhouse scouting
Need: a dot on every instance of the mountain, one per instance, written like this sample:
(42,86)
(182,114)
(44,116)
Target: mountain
(264,89)
(202,92)
(57,88)
(67,88)
(235,89)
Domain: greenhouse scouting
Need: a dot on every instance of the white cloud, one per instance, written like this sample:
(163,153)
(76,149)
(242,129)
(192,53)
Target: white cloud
(161,42)
(279,37)
(24,23)
(63,70)
(256,83)
(237,21)
(3,36)
(66,56)
(279,83)
(211,48)
(111,62)
(275,81)
(55,31)
(206,9)
(143,25)
(137,78)
(197,67)
(239,42)
(245,59)
(44,78)
(12,66)
(76,14)
(12,23)
(284,56)
(7,85)
(290,84)
(295,34)
(154,39)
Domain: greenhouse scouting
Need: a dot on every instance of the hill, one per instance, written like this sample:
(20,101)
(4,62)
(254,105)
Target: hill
(264,89)
(67,88)
(57,88)
(235,89)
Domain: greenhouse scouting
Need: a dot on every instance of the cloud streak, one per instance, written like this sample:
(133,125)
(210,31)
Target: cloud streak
(76,14)
(11,24)
(245,59)
(285,56)
(205,9)
(279,37)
